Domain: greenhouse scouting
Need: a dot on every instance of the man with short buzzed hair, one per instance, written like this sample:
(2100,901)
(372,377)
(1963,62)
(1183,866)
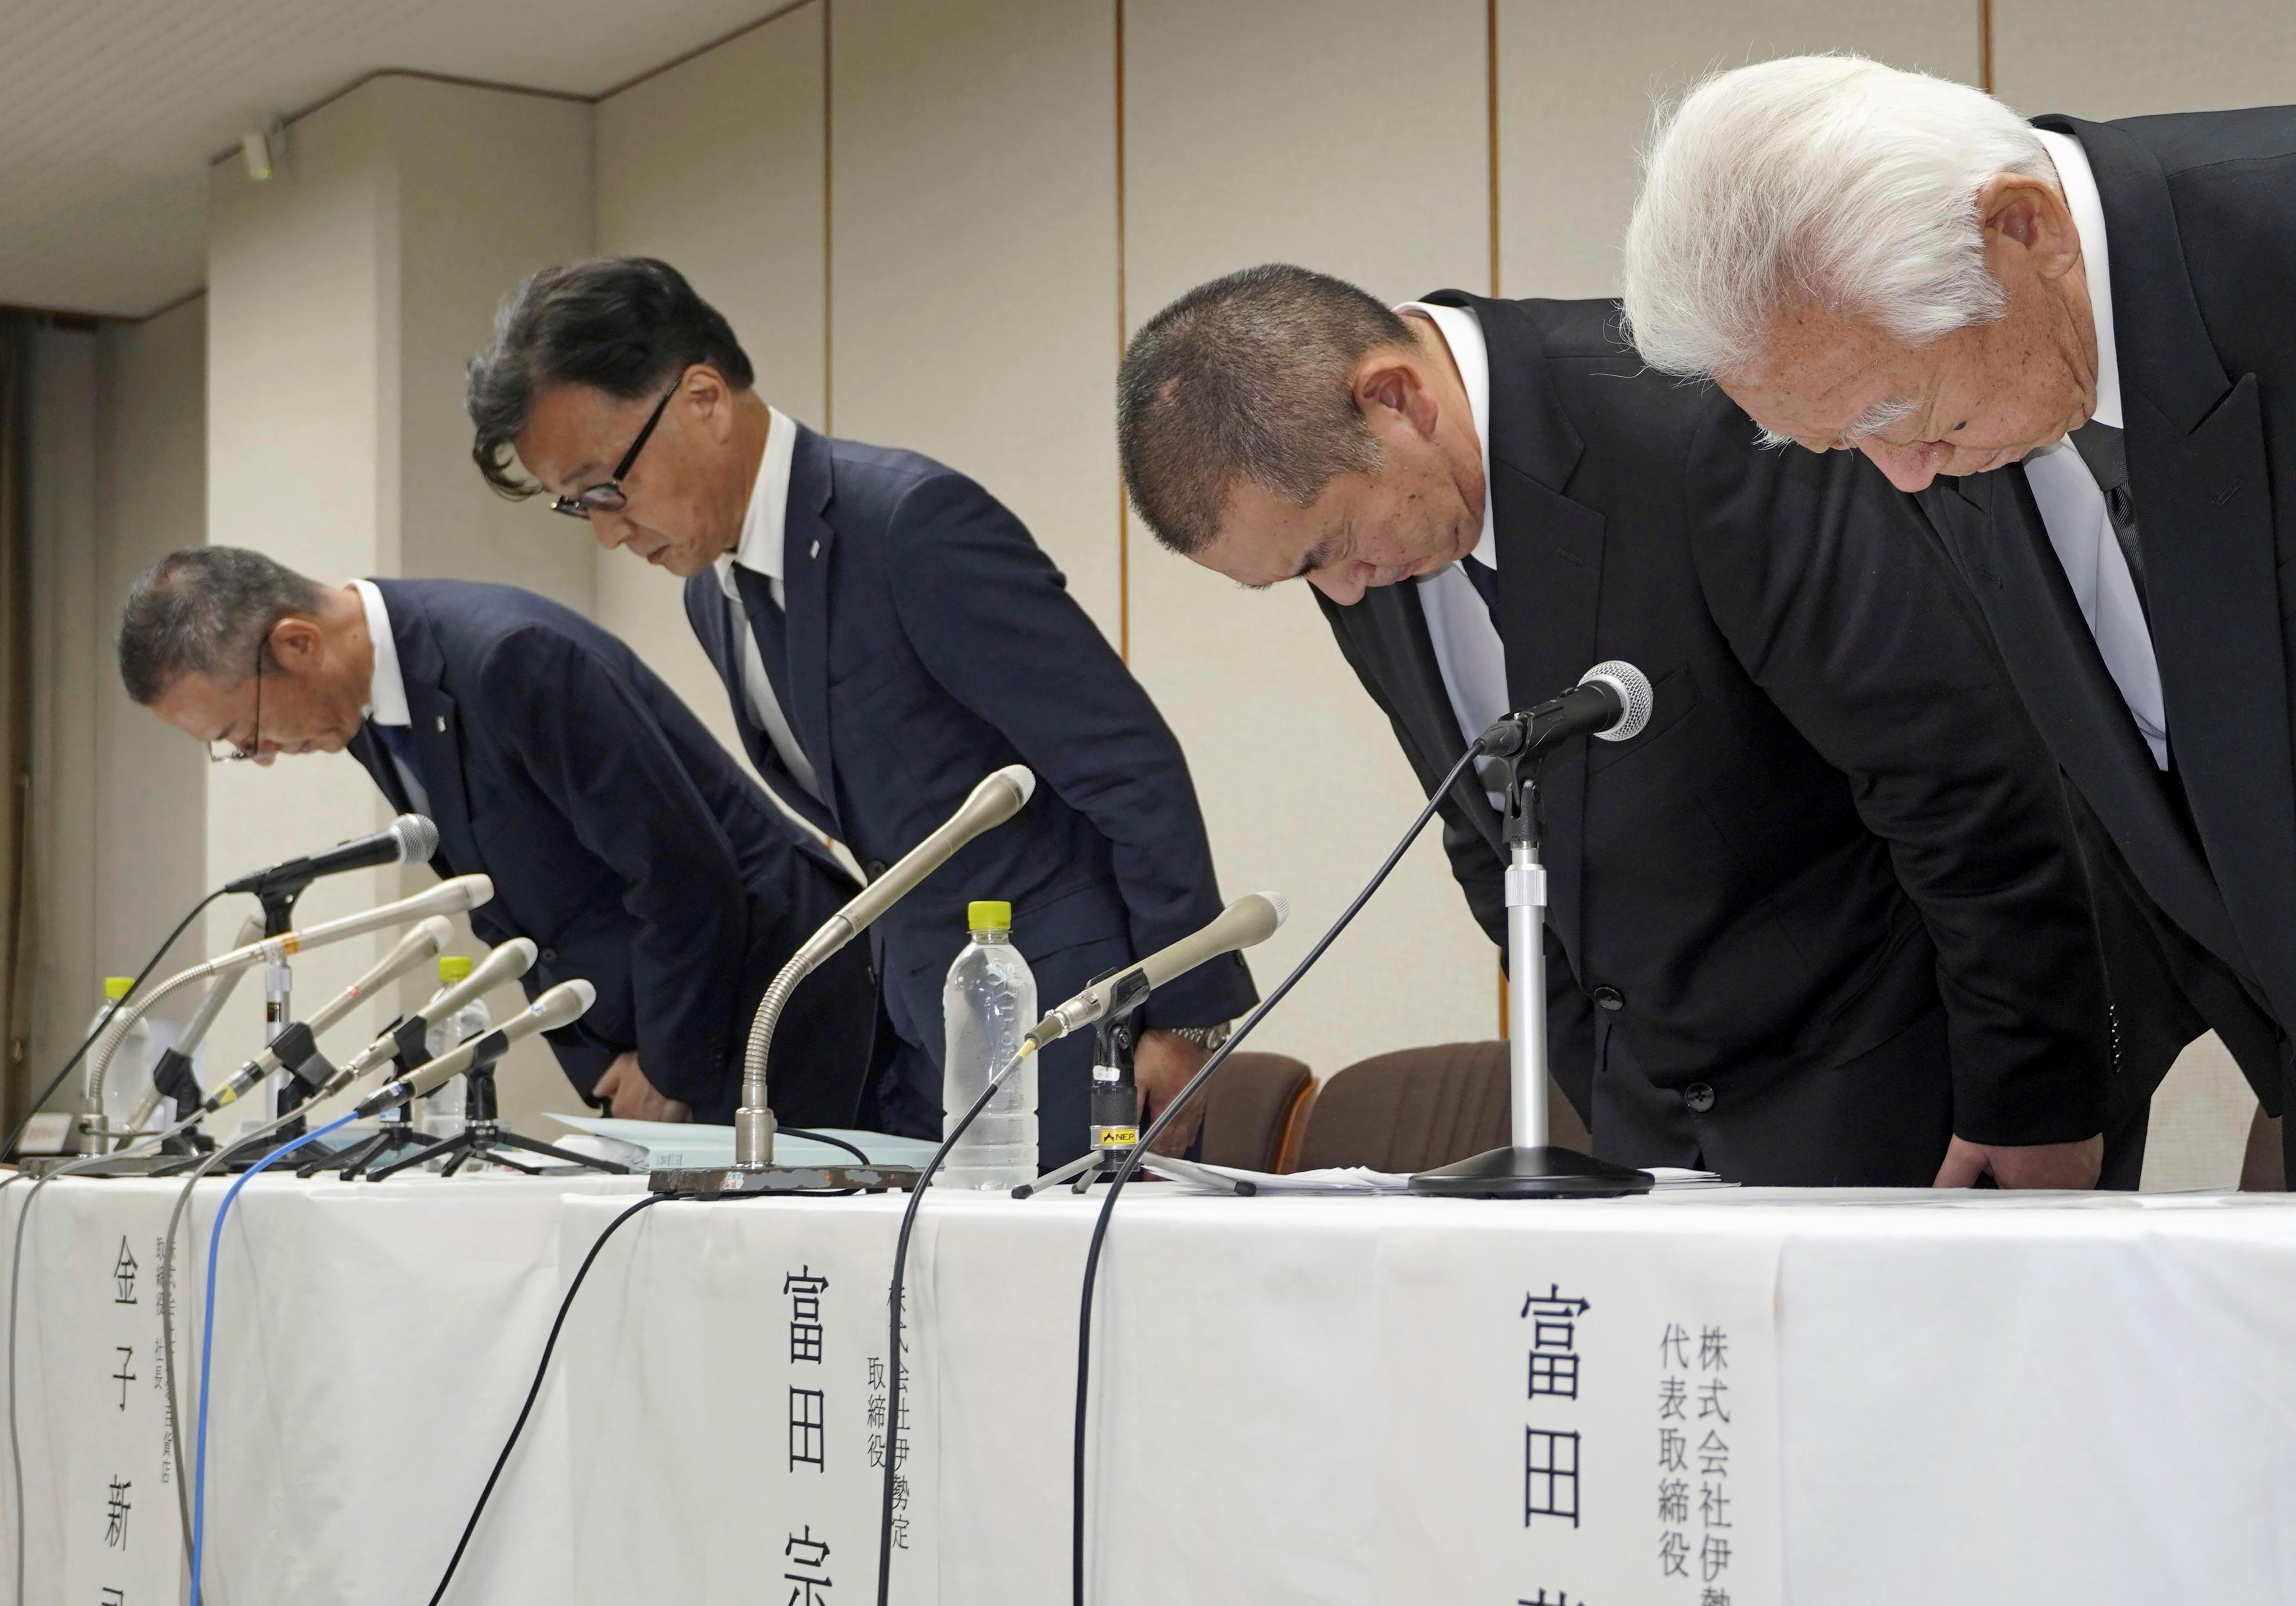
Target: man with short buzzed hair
(2075,343)
(1823,921)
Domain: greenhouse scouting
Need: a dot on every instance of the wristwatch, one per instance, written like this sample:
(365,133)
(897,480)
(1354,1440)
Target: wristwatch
(1206,1038)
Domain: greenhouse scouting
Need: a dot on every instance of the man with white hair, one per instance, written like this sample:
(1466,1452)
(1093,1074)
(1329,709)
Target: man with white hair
(2075,343)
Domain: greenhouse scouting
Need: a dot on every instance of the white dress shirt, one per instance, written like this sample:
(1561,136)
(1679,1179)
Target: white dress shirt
(759,552)
(386,692)
(1468,650)
(2072,507)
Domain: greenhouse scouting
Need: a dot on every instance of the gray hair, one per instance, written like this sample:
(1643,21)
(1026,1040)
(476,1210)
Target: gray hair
(1248,377)
(1827,177)
(207,611)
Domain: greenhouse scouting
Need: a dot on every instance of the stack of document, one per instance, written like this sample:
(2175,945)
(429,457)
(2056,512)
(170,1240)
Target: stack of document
(1362,1179)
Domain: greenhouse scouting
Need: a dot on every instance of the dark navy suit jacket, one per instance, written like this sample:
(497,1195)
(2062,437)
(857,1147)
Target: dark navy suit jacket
(622,838)
(927,641)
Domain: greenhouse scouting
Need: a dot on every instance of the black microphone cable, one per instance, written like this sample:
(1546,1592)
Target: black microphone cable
(1140,1155)
(565,1306)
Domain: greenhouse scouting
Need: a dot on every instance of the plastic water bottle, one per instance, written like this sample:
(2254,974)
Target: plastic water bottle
(129,1075)
(988,1007)
(440,1114)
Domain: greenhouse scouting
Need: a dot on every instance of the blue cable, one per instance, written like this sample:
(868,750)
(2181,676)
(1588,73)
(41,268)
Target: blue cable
(207,1342)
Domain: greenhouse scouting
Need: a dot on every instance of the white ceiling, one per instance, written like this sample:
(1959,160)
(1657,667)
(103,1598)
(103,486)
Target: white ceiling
(110,110)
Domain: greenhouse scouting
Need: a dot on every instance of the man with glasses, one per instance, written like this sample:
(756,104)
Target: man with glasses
(621,837)
(889,633)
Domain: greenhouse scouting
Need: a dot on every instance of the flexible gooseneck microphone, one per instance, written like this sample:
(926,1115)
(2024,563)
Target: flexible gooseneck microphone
(561,1005)
(210,1005)
(994,801)
(408,840)
(1611,702)
(1251,919)
(451,897)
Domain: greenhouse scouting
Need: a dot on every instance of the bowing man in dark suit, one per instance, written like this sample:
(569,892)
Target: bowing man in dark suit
(621,837)
(2076,343)
(889,633)
(1822,921)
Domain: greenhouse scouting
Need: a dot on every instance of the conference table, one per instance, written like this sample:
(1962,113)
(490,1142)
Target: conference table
(1720,1397)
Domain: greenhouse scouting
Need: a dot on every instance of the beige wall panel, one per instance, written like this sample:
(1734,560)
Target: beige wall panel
(1576,85)
(150,782)
(2125,57)
(716,167)
(489,187)
(296,370)
(65,657)
(1351,139)
(973,280)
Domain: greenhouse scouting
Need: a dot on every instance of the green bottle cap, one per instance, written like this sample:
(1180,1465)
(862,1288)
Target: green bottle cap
(116,987)
(454,967)
(989,915)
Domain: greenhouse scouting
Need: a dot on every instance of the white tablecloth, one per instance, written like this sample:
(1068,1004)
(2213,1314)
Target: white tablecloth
(1973,1397)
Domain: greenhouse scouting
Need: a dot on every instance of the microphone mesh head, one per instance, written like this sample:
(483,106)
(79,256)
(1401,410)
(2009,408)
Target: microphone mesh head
(1280,904)
(1634,689)
(418,838)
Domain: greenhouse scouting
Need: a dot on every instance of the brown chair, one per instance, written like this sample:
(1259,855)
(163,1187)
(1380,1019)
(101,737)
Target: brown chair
(1419,1107)
(1253,1110)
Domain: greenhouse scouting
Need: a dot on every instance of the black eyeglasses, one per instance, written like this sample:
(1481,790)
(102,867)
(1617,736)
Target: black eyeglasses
(228,751)
(607,497)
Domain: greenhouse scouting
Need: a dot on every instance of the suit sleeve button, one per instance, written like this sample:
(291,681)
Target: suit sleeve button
(1610,998)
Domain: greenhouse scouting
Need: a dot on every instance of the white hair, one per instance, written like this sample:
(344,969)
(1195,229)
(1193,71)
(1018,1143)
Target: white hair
(1830,177)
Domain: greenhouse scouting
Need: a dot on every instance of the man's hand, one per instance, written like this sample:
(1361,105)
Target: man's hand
(2023,1166)
(1161,1066)
(630,1097)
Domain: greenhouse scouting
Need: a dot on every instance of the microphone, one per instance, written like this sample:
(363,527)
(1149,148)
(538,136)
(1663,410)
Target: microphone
(408,840)
(561,1005)
(507,963)
(996,800)
(450,896)
(172,1077)
(1252,919)
(294,1048)
(1611,702)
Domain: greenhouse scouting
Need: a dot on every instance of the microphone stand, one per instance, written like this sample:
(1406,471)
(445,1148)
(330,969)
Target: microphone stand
(1116,1107)
(1532,1167)
(394,1131)
(290,1087)
(484,1137)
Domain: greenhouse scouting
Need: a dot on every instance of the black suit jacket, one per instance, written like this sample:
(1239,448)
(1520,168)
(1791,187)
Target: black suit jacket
(621,838)
(2199,214)
(928,641)
(1832,880)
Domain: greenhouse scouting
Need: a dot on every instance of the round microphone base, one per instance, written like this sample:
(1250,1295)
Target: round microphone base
(1544,1173)
(718,1181)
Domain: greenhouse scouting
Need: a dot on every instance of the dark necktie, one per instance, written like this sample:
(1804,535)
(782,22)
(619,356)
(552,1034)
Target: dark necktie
(767,627)
(1486,582)
(2105,450)
(398,742)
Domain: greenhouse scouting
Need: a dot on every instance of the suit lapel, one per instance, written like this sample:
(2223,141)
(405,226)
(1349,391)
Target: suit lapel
(2198,470)
(1993,524)
(376,762)
(438,737)
(809,544)
(1550,574)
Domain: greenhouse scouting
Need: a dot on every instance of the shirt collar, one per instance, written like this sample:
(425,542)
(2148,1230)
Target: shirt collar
(2078,182)
(759,550)
(386,694)
(1462,333)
